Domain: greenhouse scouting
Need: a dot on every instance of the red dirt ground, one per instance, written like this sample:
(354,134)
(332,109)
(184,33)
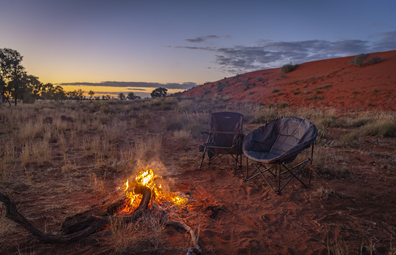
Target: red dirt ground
(237,217)
(352,87)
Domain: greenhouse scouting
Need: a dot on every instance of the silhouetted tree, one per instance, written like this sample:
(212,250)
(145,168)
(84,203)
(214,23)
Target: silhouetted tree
(121,96)
(91,93)
(132,96)
(11,72)
(159,92)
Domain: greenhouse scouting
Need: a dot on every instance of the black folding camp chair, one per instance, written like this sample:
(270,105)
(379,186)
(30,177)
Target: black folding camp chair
(276,144)
(225,137)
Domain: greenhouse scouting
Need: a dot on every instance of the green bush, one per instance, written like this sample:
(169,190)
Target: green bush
(289,68)
(296,92)
(275,90)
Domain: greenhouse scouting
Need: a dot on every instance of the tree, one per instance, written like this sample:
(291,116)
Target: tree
(80,94)
(59,93)
(121,96)
(91,93)
(159,92)
(132,96)
(11,72)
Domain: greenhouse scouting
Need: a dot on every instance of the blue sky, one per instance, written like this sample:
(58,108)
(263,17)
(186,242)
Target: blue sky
(123,46)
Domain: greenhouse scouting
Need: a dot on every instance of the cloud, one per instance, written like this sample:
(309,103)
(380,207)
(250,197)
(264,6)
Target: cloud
(205,38)
(269,54)
(185,85)
(194,48)
(387,41)
(196,40)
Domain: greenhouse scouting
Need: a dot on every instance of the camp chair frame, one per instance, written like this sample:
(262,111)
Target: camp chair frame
(276,172)
(215,151)
(279,142)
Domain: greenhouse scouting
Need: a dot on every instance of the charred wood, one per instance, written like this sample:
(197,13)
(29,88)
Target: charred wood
(88,224)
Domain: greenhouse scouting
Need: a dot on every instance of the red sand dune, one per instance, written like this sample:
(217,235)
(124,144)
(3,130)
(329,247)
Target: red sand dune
(352,87)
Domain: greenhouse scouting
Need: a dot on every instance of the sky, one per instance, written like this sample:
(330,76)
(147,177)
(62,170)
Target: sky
(136,46)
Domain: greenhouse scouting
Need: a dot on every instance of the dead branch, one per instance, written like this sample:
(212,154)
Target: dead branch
(194,237)
(88,225)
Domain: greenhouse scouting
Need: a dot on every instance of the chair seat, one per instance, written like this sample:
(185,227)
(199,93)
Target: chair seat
(262,156)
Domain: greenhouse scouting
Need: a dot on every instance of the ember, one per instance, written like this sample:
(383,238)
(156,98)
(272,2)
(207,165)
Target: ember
(147,178)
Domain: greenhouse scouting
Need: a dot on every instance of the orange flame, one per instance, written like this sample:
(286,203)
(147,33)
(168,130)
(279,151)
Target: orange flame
(146,178)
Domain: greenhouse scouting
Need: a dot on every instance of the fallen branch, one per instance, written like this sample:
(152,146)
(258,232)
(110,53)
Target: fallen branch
(194,237)
(89,225)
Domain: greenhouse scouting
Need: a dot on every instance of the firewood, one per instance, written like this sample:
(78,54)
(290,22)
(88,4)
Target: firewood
(89,225)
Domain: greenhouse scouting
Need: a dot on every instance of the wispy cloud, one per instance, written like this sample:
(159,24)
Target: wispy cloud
(270,54)
(205,38)
(182,86)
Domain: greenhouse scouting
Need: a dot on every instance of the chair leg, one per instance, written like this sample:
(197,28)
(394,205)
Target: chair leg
(247,168)
(203,157)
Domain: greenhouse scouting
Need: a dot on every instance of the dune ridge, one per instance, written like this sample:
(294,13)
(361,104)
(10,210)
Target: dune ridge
(330,83)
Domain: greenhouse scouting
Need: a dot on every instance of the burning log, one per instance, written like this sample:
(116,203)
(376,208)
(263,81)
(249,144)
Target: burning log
(76,229)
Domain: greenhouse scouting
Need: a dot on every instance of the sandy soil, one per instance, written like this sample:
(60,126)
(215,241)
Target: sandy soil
(230,215)
(352,87)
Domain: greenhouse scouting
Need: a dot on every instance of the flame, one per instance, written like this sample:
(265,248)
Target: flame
(146,178)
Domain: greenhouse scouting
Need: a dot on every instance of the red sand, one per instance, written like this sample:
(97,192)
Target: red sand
(352,87)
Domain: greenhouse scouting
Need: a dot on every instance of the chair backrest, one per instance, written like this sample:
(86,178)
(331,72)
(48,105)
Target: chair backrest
(226,127)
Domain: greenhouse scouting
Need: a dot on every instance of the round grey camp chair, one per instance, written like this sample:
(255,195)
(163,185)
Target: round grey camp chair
(277,143)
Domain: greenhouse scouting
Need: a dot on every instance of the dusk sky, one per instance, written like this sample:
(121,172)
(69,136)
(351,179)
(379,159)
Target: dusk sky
(123,46)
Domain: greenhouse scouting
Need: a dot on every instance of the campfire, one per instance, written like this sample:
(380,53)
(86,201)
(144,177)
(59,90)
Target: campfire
(147,178)
(141,194)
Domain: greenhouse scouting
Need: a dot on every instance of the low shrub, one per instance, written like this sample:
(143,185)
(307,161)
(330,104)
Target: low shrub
(275,90)
(296,92)
(373,60)
(358,60)
(348,140)
(282,105)
(289,68)
(382,129)
(264,115)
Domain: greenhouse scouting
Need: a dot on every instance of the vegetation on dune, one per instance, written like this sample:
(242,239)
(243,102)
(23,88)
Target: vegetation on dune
(288,68)
(360,60)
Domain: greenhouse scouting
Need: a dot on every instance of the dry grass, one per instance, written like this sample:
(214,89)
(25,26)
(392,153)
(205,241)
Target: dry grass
(144,236)
(181,137)
(127,136)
